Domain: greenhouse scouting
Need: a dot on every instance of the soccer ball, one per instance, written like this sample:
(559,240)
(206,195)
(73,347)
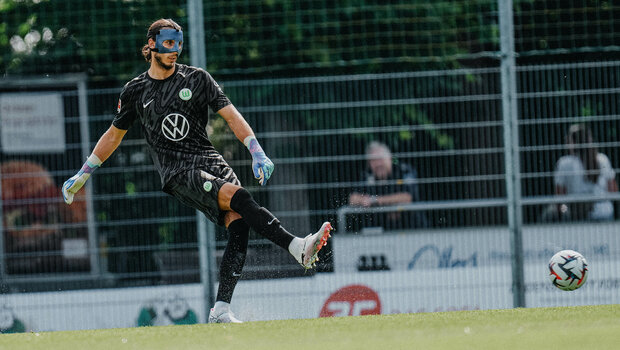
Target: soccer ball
(568,270)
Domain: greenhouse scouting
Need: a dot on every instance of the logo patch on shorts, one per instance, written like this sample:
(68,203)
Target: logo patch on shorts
(185,94)
(207,186)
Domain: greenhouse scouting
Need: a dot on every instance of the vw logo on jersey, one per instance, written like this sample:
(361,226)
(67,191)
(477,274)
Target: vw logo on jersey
(185,94)
(175,127)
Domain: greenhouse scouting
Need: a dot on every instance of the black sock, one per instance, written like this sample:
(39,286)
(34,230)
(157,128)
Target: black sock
(260,219)
(233,259)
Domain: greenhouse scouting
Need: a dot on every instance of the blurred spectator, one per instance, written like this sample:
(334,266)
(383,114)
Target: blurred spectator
(388,183)
(584,171)
(33,219)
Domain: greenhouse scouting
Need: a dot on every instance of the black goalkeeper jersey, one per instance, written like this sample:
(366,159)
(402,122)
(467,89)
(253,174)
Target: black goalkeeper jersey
(173,113)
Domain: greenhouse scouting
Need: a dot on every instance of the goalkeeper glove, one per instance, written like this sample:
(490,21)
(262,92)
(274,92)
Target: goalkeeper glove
(261,165)
(71,186)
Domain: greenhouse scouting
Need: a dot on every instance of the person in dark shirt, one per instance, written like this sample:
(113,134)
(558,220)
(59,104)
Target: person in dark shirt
(171,103)
(388,183)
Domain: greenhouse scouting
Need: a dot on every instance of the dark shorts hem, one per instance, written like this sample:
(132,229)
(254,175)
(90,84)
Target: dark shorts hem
(199,189)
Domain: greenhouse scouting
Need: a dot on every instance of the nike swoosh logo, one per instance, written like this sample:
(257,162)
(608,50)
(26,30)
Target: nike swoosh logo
(271,222)
(146,104)
(236,274)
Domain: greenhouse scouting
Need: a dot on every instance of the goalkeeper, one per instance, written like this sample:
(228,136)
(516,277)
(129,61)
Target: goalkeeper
(171,103)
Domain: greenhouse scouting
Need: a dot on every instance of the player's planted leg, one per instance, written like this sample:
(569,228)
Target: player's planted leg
(230,271)
(220,313)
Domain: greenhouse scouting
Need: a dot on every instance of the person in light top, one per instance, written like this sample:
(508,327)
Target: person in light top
(584,171)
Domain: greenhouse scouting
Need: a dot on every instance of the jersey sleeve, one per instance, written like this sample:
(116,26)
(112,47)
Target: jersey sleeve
(607,171)
(125,111)
(215,96)
(562,168)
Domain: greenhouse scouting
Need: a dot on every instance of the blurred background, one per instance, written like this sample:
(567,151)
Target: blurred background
(473,99)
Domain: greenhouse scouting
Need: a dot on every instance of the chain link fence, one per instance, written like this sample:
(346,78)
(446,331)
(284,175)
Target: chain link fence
(318,82)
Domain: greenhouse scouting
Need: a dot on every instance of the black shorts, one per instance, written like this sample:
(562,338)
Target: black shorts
(199,188)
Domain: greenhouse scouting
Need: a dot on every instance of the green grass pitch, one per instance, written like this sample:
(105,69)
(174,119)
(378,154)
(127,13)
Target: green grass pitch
(585,327)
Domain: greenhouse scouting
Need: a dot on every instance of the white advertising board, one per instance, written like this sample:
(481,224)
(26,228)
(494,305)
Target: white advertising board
(302,297)
(32,123)
(379,292)
(471,247)
(421,250)
(328,294)
(445,282)
(104,308)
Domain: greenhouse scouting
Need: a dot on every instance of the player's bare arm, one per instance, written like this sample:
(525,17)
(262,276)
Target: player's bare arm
(262,166)
(236,122)
(107,144)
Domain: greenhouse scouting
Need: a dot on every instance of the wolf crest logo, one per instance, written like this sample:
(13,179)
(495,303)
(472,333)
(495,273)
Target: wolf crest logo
(185,94)
(175,127)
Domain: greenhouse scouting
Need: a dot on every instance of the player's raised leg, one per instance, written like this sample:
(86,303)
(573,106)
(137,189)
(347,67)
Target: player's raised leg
(304,250)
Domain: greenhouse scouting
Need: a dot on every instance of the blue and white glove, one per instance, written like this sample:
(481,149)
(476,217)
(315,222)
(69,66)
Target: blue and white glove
(261,165)
(71,186)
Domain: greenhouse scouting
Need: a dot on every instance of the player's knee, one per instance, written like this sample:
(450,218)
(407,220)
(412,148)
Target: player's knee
(225,194)
(230,217)
(241,199)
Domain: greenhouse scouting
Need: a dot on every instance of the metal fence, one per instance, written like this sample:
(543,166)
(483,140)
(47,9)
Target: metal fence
(315,130)
(484,182)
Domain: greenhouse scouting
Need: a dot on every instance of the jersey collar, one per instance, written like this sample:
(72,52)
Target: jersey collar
(176,70)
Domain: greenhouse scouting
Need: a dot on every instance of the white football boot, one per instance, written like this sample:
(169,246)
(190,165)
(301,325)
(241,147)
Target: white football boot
(225,317)
(313,244)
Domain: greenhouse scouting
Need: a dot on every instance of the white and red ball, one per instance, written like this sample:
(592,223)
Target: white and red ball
(568,270)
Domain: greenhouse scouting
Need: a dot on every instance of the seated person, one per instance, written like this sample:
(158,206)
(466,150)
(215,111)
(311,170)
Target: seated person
(388,183)
(35,225)
(583,171)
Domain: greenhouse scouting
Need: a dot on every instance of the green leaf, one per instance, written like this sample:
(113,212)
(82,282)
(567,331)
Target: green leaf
(7,5)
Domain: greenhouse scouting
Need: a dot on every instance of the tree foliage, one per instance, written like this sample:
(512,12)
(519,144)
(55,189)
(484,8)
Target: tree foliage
(289,38)
(100,37)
